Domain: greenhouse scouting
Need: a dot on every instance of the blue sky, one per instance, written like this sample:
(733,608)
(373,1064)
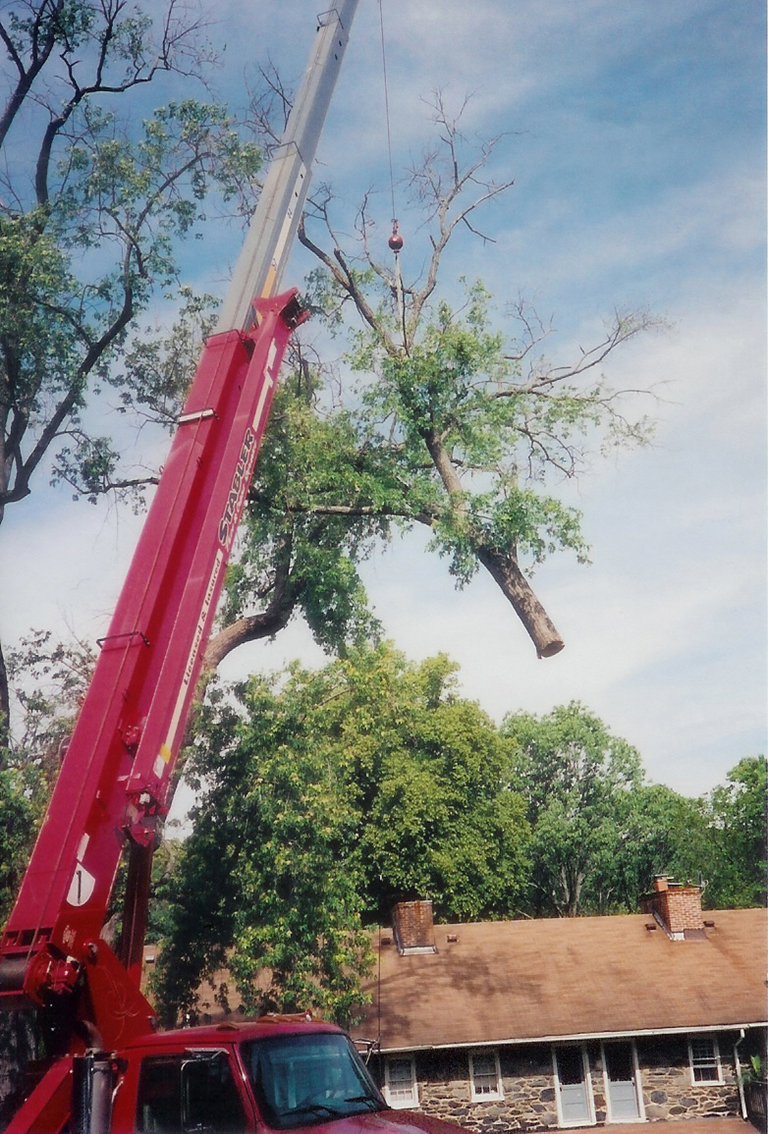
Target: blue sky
(635,132)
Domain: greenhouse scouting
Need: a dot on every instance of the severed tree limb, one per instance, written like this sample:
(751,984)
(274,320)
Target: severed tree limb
(502,566)
(513,584)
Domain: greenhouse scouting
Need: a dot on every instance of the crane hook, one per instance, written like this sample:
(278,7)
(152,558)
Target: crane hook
(395,241)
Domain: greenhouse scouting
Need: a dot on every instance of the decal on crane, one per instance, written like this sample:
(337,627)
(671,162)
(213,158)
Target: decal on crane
(240,482)
(167,748)
(81,887)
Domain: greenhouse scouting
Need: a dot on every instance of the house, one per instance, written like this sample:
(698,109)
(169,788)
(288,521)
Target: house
(537,1024)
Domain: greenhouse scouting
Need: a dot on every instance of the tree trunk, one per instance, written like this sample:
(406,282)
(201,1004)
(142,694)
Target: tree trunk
(275,616)
(515,587)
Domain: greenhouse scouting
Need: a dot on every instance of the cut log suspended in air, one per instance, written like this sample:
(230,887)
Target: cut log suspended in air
(514,585)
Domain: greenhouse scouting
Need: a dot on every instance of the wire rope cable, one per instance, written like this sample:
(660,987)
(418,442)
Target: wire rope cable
(386,110)
(395,240)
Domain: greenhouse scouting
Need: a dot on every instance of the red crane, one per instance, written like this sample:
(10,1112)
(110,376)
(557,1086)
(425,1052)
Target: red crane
(116,1074)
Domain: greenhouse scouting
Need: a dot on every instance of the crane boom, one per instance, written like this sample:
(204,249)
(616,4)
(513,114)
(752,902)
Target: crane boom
(116,1074)
(115,777)
(265,253)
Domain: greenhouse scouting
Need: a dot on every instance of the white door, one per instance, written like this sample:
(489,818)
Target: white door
(621,1082)
(574,1092)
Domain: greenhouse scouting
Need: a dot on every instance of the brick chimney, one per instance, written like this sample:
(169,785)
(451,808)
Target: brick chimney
(413,927)
(676,908)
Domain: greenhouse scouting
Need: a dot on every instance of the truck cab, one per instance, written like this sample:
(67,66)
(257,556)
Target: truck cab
(246,1078)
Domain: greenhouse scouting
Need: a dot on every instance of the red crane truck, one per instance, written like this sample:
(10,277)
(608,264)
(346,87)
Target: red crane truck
(115,1074)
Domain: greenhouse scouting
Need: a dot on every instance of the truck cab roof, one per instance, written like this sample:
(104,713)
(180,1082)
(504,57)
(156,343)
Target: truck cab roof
(213,1035)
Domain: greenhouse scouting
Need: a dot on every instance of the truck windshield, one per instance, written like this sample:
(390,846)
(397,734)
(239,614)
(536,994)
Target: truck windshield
(303,1080)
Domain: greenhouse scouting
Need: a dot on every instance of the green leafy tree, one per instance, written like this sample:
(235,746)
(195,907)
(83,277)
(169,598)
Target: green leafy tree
(329,796)
(737,832)
(664,833)
(298,883)
(469,423)
(266,880)
(579,782)
(95,195)
(16,821)
(428,768)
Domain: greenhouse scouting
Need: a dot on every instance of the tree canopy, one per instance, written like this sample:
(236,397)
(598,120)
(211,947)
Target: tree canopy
(325,798)
(95,196)
(445,418)
(578,781)
(736,813)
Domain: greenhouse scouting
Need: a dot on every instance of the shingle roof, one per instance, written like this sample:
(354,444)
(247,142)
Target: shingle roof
(594,976)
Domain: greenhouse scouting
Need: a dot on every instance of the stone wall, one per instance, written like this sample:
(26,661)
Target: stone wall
(529,1093)
(668,1092)
(530,1104)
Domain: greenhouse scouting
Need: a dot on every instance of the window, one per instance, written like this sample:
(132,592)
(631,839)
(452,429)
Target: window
(705,1060)
(401,1088)
(484,1076)
(178,1094)
(308,1079)
(159,1106)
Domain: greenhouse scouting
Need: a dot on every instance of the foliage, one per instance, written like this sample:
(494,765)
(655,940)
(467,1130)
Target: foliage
(601,833)
(736,812)
(754,1072)
(93,209)
(296,871)
(328,797)
(265,878)
(297,543)
(472,423)
(665,833)
(16,823)
(49,679)
(428,768)
(454,392)
(96,194)
(68,311)
(578,781)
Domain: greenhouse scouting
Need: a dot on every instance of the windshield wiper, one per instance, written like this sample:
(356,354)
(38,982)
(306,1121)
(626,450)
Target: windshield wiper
(313,1108)
(364,1098)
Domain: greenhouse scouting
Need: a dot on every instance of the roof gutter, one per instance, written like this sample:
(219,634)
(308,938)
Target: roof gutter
(576,1037)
